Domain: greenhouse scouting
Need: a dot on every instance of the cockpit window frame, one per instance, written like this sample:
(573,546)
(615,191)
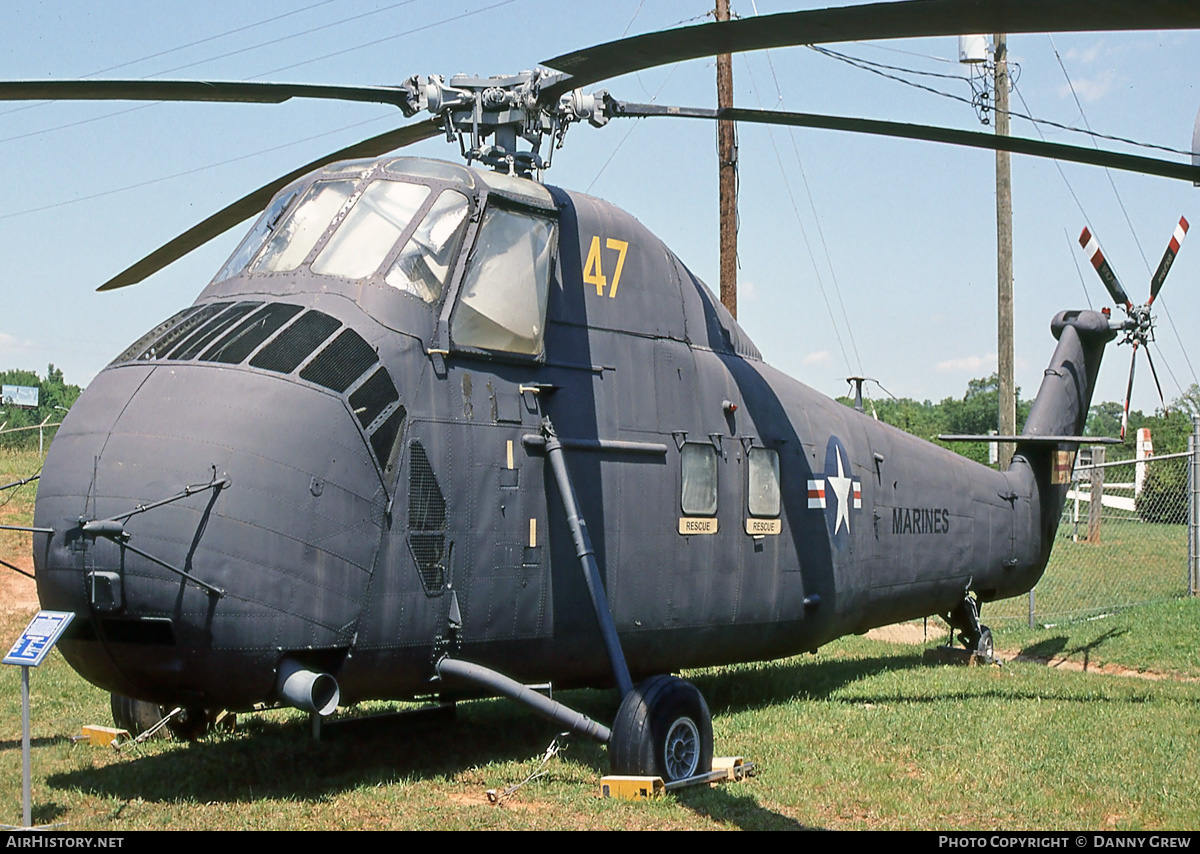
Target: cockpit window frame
(443,340)
(379,172)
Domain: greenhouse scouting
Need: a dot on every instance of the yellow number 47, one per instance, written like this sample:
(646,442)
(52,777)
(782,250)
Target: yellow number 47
(593,274)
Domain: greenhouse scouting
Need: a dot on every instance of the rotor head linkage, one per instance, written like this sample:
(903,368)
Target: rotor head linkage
(505,109)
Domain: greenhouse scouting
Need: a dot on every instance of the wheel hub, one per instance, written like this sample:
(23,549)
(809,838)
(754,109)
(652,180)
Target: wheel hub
(682,749)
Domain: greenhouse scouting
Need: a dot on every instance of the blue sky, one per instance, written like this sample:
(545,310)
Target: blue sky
(896,237)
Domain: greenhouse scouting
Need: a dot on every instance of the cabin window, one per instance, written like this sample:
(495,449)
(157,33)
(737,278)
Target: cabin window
(252,242)
(290,243)
(371,229)
(699,490)
(763,486)
(424,265)
(503,298)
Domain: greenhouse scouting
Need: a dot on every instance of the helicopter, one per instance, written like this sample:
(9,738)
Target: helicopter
(442,430)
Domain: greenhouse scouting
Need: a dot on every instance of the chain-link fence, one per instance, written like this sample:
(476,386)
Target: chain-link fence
(30,437)
(1123,539)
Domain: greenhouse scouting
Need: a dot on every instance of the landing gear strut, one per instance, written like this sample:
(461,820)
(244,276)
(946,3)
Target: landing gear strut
(975,636)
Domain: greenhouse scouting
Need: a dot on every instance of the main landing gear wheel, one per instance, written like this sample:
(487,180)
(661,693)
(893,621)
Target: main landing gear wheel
(663,729)
(137,716)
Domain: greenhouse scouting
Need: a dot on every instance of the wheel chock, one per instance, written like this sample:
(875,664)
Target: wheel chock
(643,788)
(631,788)
(101,736)
(734,767)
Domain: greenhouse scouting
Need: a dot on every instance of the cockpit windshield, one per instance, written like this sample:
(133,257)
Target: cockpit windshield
(372,221)
(371,229)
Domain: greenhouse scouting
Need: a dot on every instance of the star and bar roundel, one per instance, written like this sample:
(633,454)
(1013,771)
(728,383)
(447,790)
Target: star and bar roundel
(837,491)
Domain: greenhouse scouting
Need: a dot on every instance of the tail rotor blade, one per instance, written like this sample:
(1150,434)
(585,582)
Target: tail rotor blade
(1092,248)
(1168,258)
(1157,385)
(1128,392)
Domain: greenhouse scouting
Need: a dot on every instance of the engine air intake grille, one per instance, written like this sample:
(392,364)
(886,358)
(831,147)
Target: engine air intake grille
(341,363)
(426,521)
(286,352)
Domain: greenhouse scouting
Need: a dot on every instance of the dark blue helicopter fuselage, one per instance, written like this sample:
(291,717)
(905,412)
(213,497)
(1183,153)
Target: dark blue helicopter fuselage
(389,501)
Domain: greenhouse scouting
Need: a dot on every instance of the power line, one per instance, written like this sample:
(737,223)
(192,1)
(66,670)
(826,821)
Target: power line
(871,67)
(194,171)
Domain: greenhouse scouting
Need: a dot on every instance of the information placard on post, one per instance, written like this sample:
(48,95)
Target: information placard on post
(39,638)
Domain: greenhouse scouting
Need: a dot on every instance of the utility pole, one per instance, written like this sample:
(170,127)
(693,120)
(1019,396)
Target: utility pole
(1004,273)
(727,155)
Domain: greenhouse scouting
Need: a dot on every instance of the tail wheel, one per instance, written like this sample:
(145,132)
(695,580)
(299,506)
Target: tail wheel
(663,729)
(985,647)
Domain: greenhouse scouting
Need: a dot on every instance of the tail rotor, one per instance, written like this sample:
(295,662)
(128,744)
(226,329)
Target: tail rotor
(1138,325)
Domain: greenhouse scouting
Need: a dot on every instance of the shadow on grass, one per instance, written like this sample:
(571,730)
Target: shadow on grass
(726,804)
(274,758)
(742,688)
(1056,647)
(267,758)
(41,741)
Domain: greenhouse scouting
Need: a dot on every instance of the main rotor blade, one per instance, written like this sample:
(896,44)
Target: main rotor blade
(1168,258)
(252,203)
(910,19)
(1091,246)
(971,139)
(194,90)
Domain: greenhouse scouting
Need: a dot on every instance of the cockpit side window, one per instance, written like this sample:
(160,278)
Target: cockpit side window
(252,242)
(424,264)
(291,242)
(502,302)
(371,229)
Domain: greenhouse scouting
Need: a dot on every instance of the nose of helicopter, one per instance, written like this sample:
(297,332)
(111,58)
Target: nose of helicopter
(204,508)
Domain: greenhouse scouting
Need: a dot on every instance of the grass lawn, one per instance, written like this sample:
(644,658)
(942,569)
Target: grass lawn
(862,734)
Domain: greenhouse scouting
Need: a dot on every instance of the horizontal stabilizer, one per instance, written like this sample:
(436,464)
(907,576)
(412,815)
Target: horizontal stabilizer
(1041,440)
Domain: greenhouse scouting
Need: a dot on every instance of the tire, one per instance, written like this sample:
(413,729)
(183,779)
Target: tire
(986,646)
(137,716)
(663,729)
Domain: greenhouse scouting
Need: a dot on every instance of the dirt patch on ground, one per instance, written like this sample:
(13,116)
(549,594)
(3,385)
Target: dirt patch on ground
(18,593)
(914,633)
(1062,663)
(917,634)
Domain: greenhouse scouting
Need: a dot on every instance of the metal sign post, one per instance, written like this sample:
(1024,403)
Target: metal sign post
(31,650)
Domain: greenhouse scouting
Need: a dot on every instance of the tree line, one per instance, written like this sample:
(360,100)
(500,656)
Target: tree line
(977,412)
(55,397)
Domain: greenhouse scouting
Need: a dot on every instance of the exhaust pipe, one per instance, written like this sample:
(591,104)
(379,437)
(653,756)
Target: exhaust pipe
(306,689)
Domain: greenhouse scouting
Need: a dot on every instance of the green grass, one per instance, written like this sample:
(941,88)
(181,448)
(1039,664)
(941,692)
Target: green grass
(1134,562)
(1162,637)
(16,504)
(863,734)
